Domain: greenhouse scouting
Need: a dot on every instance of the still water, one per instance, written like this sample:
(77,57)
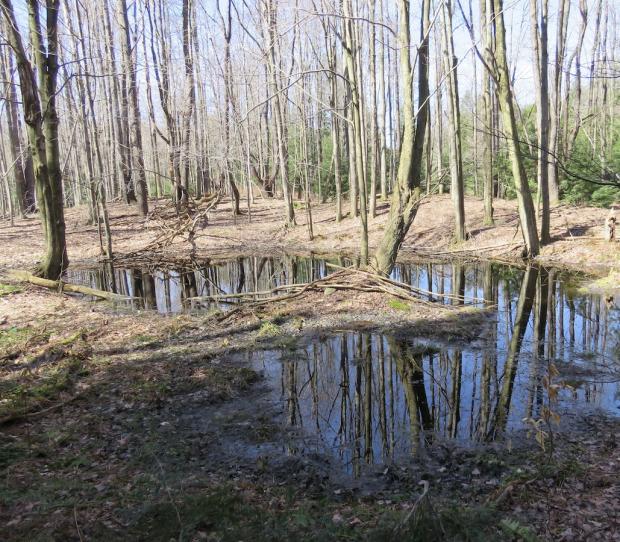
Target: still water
(169,291)
(367,398)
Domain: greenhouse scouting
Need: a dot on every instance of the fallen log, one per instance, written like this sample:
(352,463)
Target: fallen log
(60,286)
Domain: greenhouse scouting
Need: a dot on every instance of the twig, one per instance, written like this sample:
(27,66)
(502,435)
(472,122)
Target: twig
(77,526)
(407,518)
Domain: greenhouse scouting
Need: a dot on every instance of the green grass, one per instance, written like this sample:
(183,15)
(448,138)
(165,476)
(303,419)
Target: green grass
(14,340)
(399,304)
(28,393)
(46,373)
(225,514)
(8,289)
(269,329)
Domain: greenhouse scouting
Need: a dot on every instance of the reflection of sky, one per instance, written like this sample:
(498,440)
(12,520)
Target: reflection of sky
(584,340)
(329,407)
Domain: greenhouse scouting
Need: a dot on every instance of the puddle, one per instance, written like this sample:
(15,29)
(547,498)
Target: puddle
(170,291)
(370,399)
(365,398)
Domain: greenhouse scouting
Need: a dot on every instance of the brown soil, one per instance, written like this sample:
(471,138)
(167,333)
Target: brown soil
(576,231)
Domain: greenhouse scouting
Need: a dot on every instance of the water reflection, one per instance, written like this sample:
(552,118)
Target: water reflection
(370,398)
(168,291)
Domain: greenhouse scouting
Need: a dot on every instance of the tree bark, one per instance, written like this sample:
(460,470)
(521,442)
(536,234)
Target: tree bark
(42,125)
(454,118)
(527,212)
(486,16)
(135,138)
(406,196)
(541,61)
(22,168)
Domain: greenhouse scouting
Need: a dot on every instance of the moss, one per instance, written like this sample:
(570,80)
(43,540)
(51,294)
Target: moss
(8,289)
(399,304)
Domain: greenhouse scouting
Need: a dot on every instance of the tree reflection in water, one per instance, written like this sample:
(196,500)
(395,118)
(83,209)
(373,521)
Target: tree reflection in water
(371,398)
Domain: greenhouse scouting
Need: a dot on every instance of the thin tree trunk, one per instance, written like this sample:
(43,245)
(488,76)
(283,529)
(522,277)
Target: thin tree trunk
(541,61)
(135,133)
(486,16)
(527,212)
(454,123)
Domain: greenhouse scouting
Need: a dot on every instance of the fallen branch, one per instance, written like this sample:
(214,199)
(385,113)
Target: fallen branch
(462,250)
(372,284)
(242,295)
(28,415)
(407,287)
(60,286)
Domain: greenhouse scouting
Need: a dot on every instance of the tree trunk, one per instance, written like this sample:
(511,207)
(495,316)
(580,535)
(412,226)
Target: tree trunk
(135,138)
(486,17)
(21,159)
(406,195)
(527,212)
(282,145)
(188,17)
(351,59)
(541,61)
(554,124)
(454,118)
(42,129)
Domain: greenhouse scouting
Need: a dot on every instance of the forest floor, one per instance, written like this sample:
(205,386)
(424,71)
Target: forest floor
(577,234)
(129,425)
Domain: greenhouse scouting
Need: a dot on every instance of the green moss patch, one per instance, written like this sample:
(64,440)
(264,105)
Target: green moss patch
(399,305)
(8,289)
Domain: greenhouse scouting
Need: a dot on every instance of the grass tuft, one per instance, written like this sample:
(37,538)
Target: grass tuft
(399,304)
(269,329)
(8,289)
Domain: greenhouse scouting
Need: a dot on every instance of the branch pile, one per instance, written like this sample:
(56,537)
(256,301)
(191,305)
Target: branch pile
(174,220)
(342,279)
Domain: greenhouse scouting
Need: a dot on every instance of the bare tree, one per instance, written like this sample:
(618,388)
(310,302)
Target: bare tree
(407,194)
(135,131)
(41,118)
(541,61)
(527,212)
